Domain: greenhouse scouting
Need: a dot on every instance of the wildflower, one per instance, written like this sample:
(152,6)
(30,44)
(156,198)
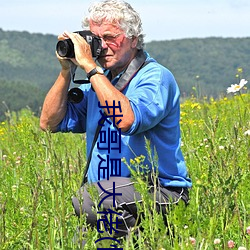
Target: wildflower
(192,240)
(237,87)
(132,162)
(240,70)
(247,133)
(221,147)
(14,188)
(230,244)
(198,182)
(242,248)
(216,241)
(248,230)
(137,159)
(195,106)
(45,216)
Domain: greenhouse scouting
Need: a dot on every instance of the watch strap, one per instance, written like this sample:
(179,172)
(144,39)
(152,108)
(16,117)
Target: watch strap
(93,72)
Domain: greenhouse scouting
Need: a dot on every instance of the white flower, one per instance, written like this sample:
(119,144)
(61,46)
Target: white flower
(237,87)
(246,133)
(217,241)
(22,210)
(242,248)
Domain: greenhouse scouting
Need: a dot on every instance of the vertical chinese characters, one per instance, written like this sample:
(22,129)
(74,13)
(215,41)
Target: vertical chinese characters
(109,140)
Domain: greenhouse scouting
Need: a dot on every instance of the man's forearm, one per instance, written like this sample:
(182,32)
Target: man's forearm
(55,103)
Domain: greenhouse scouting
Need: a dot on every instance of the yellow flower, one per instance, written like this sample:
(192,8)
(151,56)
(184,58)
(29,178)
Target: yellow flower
(240,70)
(195,105)
(137,159)
(132,162)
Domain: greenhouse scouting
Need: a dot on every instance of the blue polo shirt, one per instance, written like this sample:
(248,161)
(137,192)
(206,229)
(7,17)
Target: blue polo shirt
(154,97)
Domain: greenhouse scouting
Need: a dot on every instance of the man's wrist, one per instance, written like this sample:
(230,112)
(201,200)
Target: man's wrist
(65,73)
(97,70)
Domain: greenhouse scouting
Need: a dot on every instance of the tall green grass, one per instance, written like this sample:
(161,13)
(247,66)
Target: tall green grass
(40,172)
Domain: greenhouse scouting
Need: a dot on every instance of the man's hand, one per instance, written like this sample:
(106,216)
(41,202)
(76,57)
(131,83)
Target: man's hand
(83,54)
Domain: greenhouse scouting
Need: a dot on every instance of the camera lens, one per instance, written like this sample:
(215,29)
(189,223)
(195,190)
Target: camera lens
(65,48)
(75,95)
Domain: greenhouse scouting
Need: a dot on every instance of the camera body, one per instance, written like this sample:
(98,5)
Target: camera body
(65,48)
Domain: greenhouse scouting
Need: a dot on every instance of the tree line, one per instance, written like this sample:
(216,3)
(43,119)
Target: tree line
(202,67)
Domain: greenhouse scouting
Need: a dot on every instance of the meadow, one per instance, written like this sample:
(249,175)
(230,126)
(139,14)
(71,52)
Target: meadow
(40,172)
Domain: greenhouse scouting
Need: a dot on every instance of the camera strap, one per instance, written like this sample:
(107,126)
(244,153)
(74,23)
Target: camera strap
(136,64)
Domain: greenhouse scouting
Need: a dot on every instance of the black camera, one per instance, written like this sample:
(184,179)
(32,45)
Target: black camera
(65,48)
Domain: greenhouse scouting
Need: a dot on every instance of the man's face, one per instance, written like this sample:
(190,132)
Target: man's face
(118,50)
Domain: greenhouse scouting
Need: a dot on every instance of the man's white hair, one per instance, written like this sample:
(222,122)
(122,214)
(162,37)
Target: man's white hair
(117,12)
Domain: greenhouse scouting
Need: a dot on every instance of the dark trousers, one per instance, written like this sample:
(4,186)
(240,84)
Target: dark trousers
(124,204)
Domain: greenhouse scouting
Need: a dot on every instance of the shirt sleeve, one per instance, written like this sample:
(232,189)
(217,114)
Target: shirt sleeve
(152,98)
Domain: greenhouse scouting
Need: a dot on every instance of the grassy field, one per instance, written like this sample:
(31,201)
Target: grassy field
(40,172)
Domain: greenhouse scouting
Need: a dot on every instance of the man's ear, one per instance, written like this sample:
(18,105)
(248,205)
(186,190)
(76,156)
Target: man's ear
(134,42)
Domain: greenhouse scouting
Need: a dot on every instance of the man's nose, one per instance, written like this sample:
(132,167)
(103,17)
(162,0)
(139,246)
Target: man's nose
(104,44)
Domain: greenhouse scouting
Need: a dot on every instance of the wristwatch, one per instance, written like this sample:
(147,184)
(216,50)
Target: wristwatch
(96,70)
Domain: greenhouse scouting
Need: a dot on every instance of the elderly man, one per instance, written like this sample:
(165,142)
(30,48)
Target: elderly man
(136,98)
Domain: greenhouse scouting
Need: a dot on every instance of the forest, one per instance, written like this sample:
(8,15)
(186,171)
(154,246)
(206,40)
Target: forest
(202,67)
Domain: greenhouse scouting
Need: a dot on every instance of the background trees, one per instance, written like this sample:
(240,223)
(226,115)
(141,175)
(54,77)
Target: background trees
(202,67)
